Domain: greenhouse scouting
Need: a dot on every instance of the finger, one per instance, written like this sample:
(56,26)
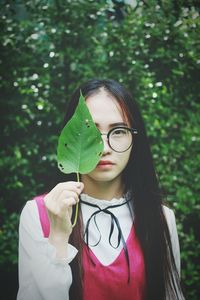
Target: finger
(68,198)
(68,194)
(73,186)
(80,185)
(57,190)
(65,207)
(69,202)
(68,186)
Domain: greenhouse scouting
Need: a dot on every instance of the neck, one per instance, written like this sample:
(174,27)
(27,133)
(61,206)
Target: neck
(102,190)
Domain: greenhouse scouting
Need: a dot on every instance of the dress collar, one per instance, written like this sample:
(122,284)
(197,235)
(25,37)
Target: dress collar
(102,203)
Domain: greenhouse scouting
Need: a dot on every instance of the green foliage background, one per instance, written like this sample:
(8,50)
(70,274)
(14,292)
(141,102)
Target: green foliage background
(50,47)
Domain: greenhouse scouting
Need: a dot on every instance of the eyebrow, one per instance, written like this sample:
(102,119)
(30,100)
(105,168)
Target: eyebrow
(115,124)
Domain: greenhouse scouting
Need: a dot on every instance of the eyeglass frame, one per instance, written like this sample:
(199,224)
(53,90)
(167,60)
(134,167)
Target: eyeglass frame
(132,130)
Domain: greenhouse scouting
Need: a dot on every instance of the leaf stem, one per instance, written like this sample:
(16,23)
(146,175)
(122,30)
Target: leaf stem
(76,212)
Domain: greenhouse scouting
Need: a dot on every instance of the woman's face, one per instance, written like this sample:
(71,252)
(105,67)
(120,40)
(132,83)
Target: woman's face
(106,113)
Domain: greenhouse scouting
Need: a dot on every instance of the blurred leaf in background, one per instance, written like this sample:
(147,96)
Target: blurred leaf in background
(48,48)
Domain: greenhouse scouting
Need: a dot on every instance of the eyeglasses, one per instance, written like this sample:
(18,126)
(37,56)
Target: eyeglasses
(120,139)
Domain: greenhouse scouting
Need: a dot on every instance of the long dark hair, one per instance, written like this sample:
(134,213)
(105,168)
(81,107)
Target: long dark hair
(140,179)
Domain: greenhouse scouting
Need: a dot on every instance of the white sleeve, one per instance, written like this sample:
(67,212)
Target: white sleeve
(171,222)
(41,275)
(174,237)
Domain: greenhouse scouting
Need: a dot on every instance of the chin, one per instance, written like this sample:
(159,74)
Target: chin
(104,176)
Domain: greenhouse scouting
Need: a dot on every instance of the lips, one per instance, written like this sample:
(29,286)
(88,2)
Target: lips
(105,162)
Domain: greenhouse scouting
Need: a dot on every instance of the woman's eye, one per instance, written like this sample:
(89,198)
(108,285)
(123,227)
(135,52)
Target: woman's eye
(119,132)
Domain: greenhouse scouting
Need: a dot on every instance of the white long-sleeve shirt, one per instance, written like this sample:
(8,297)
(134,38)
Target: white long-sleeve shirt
(44,277)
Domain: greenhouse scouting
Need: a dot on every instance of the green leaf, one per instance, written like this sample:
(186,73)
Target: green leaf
(80,144)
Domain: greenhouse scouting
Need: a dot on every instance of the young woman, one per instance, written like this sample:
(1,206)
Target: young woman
(125,243)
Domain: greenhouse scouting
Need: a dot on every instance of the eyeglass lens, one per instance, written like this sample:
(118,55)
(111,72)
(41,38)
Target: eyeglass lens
(120,139)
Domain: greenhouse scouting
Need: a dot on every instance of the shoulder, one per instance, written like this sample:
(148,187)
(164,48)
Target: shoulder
(170,218)
(168,212)
(29,218)
(29,209)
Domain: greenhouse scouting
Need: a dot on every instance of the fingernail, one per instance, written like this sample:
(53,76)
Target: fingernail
(81,185)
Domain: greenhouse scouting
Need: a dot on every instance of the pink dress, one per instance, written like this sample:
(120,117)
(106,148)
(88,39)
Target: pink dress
(108,282)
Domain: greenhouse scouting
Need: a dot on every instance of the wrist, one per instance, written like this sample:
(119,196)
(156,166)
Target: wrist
(58,236)
(60,242)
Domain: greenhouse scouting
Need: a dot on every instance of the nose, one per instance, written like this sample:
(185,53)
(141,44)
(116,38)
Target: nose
(106,148)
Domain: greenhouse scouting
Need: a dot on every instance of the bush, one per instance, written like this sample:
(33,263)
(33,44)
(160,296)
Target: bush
(48,48)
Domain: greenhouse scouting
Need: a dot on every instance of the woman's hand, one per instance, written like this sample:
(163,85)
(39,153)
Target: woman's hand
(59,202)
